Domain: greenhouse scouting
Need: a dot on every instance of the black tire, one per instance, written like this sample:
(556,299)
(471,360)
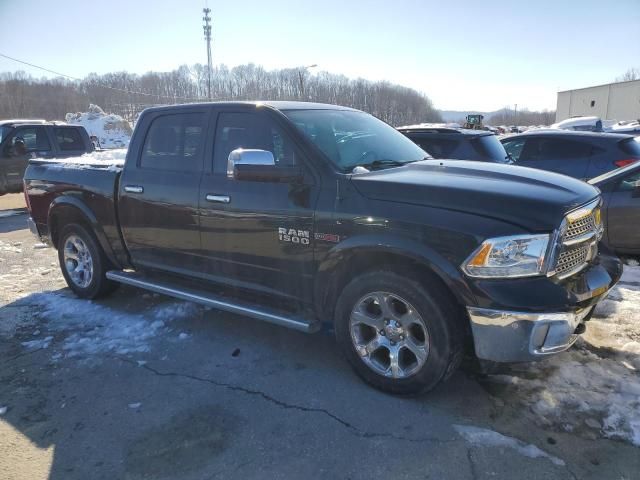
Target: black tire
(435,306)
(98,285)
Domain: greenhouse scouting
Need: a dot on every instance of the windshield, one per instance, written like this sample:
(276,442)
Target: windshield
(352,138)
(490,147)
(4,131)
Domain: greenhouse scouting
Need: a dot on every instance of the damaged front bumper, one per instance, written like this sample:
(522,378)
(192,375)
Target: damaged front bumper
(503,336)
(525,320)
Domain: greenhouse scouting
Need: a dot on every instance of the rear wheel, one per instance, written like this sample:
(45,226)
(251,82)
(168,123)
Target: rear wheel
(83,262)
(398,335)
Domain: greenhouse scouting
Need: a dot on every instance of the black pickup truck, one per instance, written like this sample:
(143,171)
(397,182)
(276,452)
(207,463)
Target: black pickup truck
(304,214)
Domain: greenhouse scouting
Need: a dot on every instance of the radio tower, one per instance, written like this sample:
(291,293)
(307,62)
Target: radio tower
(207,36)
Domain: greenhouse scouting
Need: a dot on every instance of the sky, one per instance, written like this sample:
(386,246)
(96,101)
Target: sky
(463,55)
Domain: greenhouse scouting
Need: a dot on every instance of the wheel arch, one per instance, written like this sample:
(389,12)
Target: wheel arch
(360,254)
(67,209)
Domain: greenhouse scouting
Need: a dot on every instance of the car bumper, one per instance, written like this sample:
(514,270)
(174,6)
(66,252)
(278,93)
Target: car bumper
(521,335)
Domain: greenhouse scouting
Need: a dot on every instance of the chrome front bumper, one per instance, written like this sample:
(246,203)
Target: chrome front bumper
(506,336)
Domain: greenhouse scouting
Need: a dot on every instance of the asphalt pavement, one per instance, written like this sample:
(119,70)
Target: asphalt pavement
(139,386)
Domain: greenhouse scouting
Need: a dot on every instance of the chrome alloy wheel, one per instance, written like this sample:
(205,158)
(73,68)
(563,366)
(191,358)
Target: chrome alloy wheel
(389,335)
(78,261)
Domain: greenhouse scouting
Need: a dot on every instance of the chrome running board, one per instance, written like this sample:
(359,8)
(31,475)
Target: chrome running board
(213,300)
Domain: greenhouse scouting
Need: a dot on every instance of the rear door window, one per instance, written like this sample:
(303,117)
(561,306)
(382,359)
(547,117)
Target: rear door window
(541,149)
(69,139)
(174,142)
(35,139)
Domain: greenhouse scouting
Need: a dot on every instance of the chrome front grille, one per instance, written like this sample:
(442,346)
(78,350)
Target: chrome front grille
(573,259)
(580,227)
(578,240)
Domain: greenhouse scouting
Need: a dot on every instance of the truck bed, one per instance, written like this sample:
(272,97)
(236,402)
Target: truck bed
(89,180)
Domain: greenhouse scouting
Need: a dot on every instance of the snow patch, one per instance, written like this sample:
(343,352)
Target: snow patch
(594,388)
(96,329)
(39,344)
(8,247)
(112,131)
(11,213)
(113,160)
(483,437)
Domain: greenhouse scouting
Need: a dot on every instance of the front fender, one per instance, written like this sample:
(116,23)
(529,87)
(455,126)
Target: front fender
(407,248)
(68,201)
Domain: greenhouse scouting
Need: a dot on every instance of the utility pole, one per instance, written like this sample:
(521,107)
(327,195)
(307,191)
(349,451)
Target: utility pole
(207,36)
(515,114)
(301,74)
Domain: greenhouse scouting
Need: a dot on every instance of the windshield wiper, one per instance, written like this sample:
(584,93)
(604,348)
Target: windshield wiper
(376,164)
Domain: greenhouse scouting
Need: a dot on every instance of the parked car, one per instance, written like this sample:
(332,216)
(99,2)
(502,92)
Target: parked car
(580,155)
(457,143)
(580,124)
(21,140)
(628,128)
(305,214)
(621,208)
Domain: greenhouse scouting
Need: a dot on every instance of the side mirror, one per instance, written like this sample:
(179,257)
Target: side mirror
(259,166)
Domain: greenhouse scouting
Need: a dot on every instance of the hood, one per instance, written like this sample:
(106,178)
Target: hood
(534,199)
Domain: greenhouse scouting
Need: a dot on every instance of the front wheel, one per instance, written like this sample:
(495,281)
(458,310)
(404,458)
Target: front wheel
(83,263)
(400,335)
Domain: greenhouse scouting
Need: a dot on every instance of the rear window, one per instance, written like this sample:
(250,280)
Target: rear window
(490,148)
(550,149)
(69,139)
(174,142)
(631,146)
(437,147)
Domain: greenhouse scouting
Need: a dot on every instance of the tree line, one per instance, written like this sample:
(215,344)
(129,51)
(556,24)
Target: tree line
(127,94)
(521,117)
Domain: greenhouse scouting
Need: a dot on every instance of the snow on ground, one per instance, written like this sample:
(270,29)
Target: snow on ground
(10,213)
(483,437)
(10,247)
(93,329)
(112,130)
(594,388)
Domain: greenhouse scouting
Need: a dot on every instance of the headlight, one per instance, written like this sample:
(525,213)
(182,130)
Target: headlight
(517,256)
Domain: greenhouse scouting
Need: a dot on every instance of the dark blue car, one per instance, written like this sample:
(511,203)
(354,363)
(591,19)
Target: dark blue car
(580,155)
(621,208)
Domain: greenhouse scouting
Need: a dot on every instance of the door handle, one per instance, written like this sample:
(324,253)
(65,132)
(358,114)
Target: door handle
(133,189)
(218,198)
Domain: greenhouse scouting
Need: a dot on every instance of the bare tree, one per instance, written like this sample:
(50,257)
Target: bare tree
(128,94)
(631,74)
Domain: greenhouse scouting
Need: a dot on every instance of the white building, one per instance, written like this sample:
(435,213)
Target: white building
(614,101)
